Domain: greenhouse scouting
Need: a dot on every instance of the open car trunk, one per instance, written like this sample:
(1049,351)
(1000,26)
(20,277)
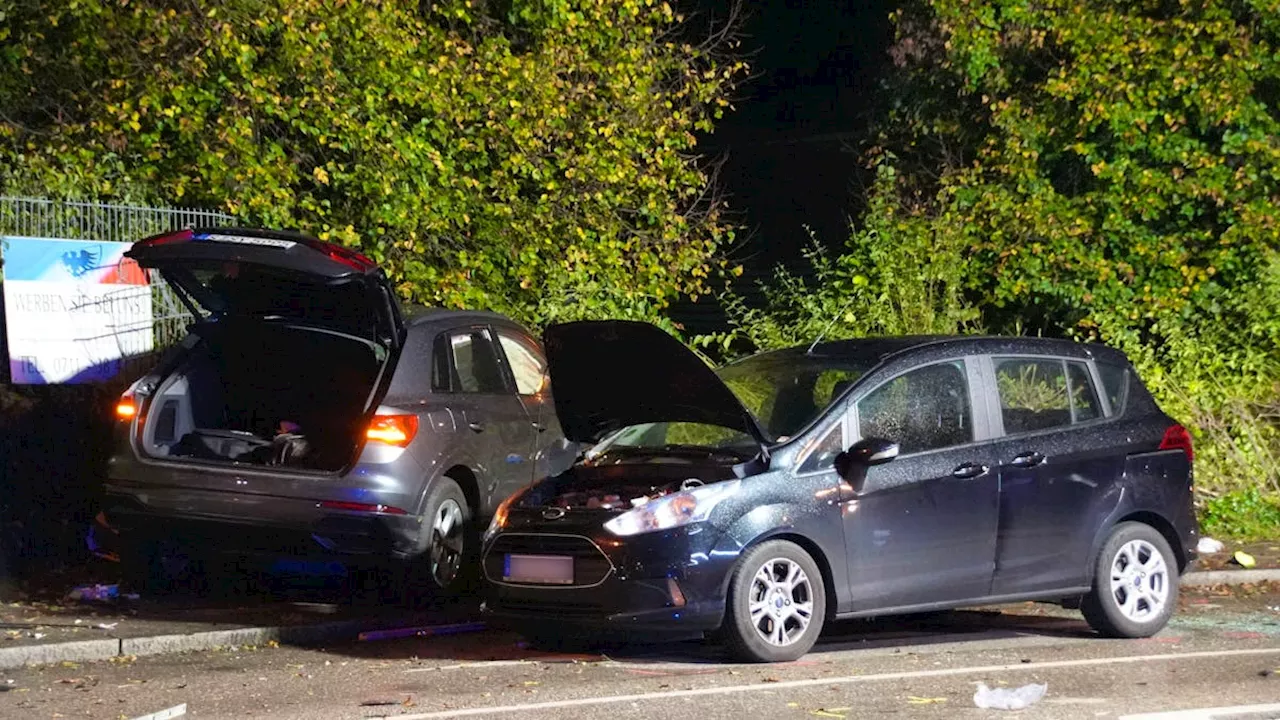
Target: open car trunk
(291,340)
(266,394)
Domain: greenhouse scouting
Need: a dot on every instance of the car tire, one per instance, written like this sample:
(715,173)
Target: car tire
(784,586)
(450,565)
(1135,583)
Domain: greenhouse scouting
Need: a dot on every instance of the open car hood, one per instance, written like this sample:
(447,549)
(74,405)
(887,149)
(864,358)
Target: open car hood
(239,273)
(609,374)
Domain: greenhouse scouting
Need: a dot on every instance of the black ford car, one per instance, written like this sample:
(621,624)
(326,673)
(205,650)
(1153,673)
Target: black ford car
(849,479)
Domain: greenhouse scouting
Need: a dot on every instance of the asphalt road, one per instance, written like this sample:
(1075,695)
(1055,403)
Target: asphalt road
(1223,649)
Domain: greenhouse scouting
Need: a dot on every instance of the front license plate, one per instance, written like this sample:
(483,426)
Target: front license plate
(538,569)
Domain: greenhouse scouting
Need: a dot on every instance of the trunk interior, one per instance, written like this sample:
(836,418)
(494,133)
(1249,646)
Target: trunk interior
(266,394)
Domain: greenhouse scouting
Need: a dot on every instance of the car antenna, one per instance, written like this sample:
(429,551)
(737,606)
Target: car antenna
(827,329)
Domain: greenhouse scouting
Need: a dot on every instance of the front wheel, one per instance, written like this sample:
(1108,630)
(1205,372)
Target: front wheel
(777,604)
(1135,584)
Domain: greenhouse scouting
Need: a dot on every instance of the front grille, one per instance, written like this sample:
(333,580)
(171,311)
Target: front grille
(590,565)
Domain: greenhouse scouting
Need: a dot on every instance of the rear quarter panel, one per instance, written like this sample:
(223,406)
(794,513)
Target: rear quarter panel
(1156,489)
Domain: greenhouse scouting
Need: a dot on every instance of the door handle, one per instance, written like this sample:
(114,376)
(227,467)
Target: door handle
(1028,460)
(539,427)
(969,470)
(476,426)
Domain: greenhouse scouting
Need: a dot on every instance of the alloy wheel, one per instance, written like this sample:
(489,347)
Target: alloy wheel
(446,543)
(1139,581)
(781,602)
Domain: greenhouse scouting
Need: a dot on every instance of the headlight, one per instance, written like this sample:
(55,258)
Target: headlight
(499,520)
(673,510)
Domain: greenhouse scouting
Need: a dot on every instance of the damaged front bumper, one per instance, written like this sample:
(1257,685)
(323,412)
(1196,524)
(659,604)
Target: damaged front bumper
(665,585)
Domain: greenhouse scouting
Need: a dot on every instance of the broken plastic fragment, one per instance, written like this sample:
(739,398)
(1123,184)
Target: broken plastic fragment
(1006,699)
(1244,559)
(90,593)
(1209,546)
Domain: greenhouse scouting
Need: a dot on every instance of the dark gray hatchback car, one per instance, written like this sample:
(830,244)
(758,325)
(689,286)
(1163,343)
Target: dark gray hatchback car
(305,416)
(849,479)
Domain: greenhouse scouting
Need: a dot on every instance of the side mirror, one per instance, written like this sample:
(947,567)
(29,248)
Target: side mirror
(873,451)
(853,463)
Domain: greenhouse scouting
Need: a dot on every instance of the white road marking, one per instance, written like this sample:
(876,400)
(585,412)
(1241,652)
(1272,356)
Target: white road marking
(480,664)
(845,680)
(1206,713)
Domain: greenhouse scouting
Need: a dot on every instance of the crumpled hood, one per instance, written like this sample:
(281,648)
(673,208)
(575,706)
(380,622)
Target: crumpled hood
(608,374)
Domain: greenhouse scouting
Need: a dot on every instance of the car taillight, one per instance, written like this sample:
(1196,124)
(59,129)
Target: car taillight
(166,239)
(1177,438)
(126,407)
(344,255)
(361,507)
(395,430)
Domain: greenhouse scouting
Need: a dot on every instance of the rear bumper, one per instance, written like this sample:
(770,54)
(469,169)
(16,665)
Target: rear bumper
(301,529)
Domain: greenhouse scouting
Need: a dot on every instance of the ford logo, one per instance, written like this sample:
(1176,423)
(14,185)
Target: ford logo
(553,513)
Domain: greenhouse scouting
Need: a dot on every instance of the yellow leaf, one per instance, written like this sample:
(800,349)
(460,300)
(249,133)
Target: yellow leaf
(320,175)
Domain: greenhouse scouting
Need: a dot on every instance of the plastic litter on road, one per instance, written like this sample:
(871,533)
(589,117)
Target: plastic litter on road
(427,631)
(1006,699)
(1244,559)
(94,593)
(1209,546)
(173,712)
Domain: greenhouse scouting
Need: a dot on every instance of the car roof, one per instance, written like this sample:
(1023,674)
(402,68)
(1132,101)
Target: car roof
(419,315)
(886,348)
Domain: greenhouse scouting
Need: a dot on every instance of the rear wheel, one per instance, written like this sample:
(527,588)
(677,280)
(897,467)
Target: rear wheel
(1135,584)
(450,566)
(777,604)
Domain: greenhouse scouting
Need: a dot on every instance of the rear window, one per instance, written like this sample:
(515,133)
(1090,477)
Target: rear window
(1033,394)
(1115,383)
(465,361)
(1084,398)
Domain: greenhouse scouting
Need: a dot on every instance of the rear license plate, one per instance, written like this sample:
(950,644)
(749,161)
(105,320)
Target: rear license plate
(538,569)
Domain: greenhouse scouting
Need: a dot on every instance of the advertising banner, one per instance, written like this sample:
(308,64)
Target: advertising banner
(76,310)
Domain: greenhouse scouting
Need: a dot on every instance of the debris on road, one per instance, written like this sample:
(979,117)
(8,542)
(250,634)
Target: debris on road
(94,593)
(1244,559)
(1006,699)
(427,631)
(1209,546)
(173,712)
(914,700)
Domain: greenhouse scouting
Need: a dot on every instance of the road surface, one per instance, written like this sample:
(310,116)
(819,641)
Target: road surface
(1223,649)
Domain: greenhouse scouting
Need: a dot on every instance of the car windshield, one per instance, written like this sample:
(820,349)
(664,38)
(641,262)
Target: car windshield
(785,391)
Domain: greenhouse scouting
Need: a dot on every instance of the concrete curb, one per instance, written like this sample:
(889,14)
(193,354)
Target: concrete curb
(159,644)
(1230,577)
(347,630)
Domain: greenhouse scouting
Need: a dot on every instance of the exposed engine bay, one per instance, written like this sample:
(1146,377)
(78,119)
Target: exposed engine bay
(620,497)
(619,488)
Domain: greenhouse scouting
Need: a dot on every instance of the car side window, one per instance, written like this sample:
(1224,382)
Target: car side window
(823,455)
(924,409)
(1084,398)
(1033,394)
(527,364)
(1115,382)
(465,361)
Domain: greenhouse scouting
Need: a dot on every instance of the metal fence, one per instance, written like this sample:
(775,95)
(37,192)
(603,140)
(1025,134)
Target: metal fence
(105,222)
